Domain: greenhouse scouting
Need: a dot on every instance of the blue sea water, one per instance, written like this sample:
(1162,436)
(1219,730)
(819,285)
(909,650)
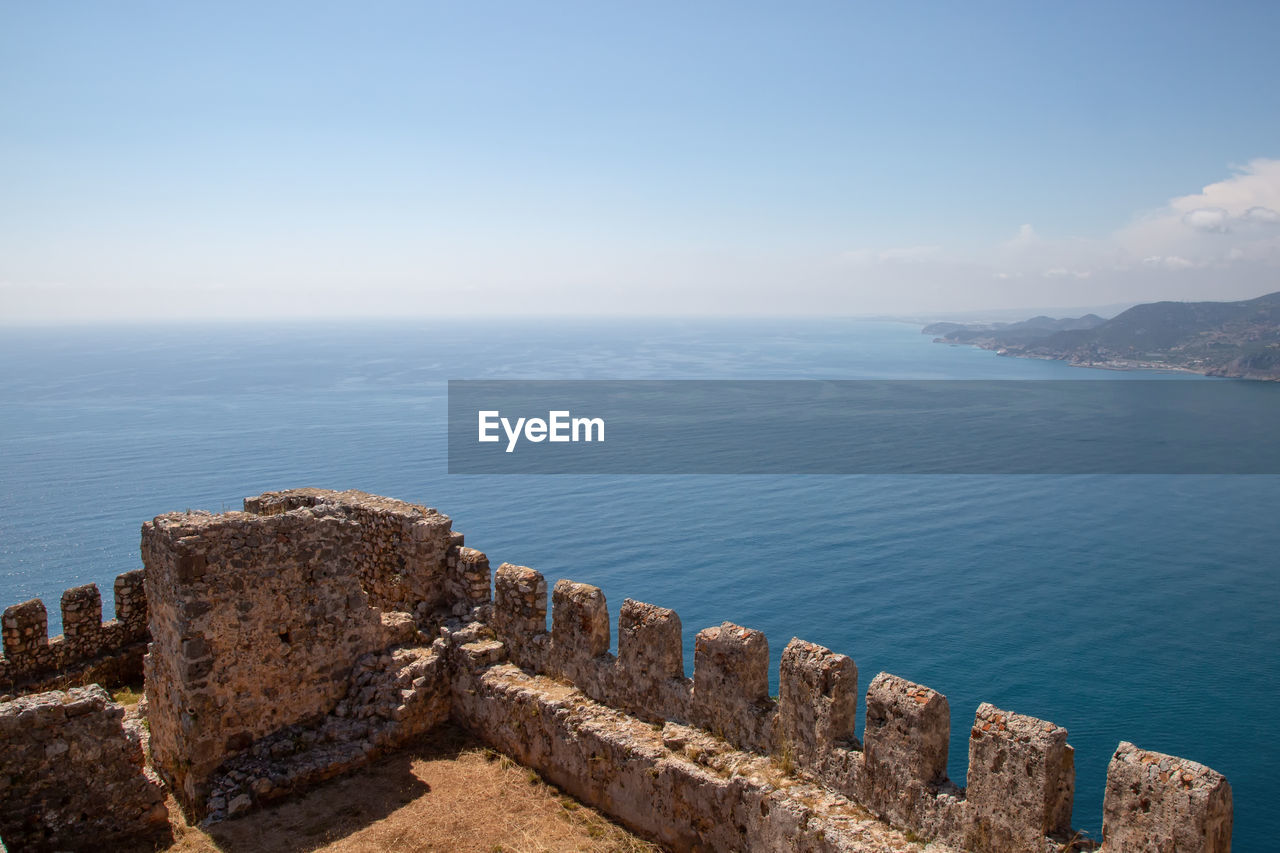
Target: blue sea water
(1142,608)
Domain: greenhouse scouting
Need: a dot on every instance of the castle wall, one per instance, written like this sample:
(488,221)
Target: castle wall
(319,629)
(73,776)
(88,650)
(679,785)
(1021,779)
(259,617)
(399,551)
(1156,802)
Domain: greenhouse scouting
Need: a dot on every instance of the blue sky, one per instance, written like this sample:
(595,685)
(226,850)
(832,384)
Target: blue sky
(164,160)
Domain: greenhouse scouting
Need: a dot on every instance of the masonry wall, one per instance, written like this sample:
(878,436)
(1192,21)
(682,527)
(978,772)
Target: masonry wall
(317,629)
(259,618)
(88,650)
(1021,778)
(71,773)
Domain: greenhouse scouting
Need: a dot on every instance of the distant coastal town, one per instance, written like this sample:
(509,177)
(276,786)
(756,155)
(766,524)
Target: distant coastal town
(1231,339)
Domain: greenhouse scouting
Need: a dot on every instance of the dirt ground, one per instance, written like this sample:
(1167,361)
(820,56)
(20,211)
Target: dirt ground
(451,794)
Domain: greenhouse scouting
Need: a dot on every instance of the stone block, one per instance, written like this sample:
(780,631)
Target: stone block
(131,604)
(730,665)
(731,686)
(579,621)
(907,732)
(650,643)
(817,700)
(25,630)
(1021,780)
(472,575)
(1157,803)
(82,616)
(519,602)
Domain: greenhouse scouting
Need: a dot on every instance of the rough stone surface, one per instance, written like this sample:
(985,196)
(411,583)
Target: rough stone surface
(468,576)
(651,680)
(1156,803)
(817,701)
(87,650)
(71,773)
(400,552)
(258,617)
(908,729)
(731,685)
(1021,780)
(319,629)
(520,613)
(580,632)
(394,697)
(904,778)
(682,786)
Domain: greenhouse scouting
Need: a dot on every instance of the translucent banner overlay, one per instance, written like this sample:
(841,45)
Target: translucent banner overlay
(864,427)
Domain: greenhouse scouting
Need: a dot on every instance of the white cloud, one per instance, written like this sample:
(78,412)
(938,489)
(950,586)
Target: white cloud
(1168,262)
(1220,242)
(1025,238)
(1211,219)
(1227,222)
(1264,215)
(898,255)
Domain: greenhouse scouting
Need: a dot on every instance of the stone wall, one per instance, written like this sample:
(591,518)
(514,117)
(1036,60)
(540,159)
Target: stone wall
(318,629)
(88,650)
(1021,778)
(398,551)
(259,620)
(71,773)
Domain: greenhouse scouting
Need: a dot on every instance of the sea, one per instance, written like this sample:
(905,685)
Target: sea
(1122,607)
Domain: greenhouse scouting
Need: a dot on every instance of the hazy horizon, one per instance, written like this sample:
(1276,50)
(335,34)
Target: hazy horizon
(163,163)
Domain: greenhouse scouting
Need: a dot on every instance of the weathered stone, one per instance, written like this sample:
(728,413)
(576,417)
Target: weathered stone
(321,629)
(908,730)
(89,650)
(1021,780)
(698,793)
(1156,803)
(302,588)
(82,618)
(650,680)
(47,801)
(731,685)
(904,768)
(25,630)
(520,613)
(817,701)
(579,632)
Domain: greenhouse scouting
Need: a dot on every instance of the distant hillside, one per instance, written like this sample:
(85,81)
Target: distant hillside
(1239,339)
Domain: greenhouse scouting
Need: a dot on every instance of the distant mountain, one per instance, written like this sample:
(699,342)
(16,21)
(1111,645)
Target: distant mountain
(1023,332)
(1239,339)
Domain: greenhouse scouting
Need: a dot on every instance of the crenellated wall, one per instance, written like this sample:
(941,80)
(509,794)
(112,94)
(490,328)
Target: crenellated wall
(1021,777)
(88,650)
(317,629)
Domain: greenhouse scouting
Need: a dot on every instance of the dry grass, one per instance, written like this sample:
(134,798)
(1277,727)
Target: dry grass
(452,795)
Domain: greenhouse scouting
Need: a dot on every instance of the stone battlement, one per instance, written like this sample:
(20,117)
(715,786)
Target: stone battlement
(87,650)
(317,629)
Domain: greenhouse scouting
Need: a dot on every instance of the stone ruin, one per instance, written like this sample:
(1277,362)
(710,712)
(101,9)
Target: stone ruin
(317,630)
(89,650)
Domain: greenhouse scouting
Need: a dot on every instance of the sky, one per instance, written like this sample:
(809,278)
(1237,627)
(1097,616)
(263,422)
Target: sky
(164,161)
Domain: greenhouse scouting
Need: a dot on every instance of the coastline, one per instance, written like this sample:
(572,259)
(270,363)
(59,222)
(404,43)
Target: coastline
(1117,364)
